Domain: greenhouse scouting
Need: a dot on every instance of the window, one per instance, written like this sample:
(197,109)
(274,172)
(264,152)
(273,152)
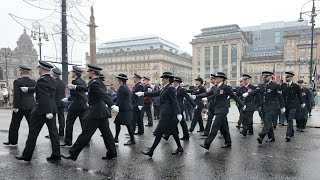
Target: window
(277,37)
(302,51)
(234,57)
(215,59)
(207,76)
(225,58)
(207,56)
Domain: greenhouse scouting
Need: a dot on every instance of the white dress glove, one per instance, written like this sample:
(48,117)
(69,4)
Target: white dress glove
(24,89)
(15,110)
(115,108)
(245,95)
(149,90)
(65,100)
(140,107)
(204,99)
(283,110)
(193,97)
(72,86)
(139,94)
(179,117)
(49,116)
(303,105)
(196,107)
(244,107)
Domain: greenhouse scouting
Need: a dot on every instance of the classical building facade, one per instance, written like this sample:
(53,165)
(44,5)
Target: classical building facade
(23,54)
(147,56)
(218,49)
(297,51)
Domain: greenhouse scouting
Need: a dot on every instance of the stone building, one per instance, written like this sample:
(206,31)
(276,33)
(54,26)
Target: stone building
(23,54)
(147,56)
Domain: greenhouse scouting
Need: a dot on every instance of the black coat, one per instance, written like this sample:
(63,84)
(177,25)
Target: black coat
(60,92)
(271,96)
(291,95)
(302,113)
(147,100)
(197,91)
(97,100)
(123,98)
(249,101)
(221,101)
(78,96)
(137,101)
(181,94)
(21,100)
(169,109)
(45,95)
(213,89)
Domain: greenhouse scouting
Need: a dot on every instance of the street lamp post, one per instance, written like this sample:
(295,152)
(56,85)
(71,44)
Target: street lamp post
(37,34)
(312,14)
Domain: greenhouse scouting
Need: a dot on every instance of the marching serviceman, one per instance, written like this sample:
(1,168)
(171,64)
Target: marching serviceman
(250,103)
(221,110)
(147,102)
(124,116)
(43,113)
(197,118)
(302,112)
(78,105)
(170,113)
(96,117)
(213,89)
(272,101)
(137,105)
(60,94)
(292,99)
(181,94)
(23,103)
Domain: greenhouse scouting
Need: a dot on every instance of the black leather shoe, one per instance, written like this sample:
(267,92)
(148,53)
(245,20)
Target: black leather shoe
(65,145)
(287,139)
(148,125)
(116,140)
(226,146)
(259,140)
(270,140)
(243,133)
(47,136)
(109,157)
(200,131)
(204,146)
(10,144)
(204,134)
(69,156)
(184,138)
(177,151)
(274,127)
(22,158)
(129,143)
(147,153)
(52,158)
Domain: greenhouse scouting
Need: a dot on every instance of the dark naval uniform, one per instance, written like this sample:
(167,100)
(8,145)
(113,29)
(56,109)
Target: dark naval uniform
(239,91)
(302,112)
(147,106)
(77,107)
(60,94)
(45,104)
(250,103)
(96,117)
(292,99)
(137,101)
(271,102)
(221,109)
(197,118)
(23,102)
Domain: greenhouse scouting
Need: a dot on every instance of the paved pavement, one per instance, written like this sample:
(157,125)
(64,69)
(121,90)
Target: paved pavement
(299,159)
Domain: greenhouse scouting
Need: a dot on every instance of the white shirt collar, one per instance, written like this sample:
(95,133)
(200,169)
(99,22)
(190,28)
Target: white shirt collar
(218,85)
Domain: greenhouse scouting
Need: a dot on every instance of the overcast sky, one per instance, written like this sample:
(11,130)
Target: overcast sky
(175,20)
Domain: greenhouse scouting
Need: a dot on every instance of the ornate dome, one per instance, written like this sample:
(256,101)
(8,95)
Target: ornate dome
(25,38)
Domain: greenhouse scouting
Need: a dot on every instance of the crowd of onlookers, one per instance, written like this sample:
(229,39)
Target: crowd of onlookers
(6,96)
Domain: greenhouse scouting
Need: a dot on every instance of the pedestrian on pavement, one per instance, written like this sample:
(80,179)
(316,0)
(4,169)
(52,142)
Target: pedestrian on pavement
(212,90)
(250,105)
(1,97)
(96,116)
(147,101)
(137,105)
(272,101)
(60,94)
(43,113)
(78,106)
(302,112)
(197,118)
(292,99)
(5,94)
(221,110)
(170,113)
(124,116)
(23,103)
